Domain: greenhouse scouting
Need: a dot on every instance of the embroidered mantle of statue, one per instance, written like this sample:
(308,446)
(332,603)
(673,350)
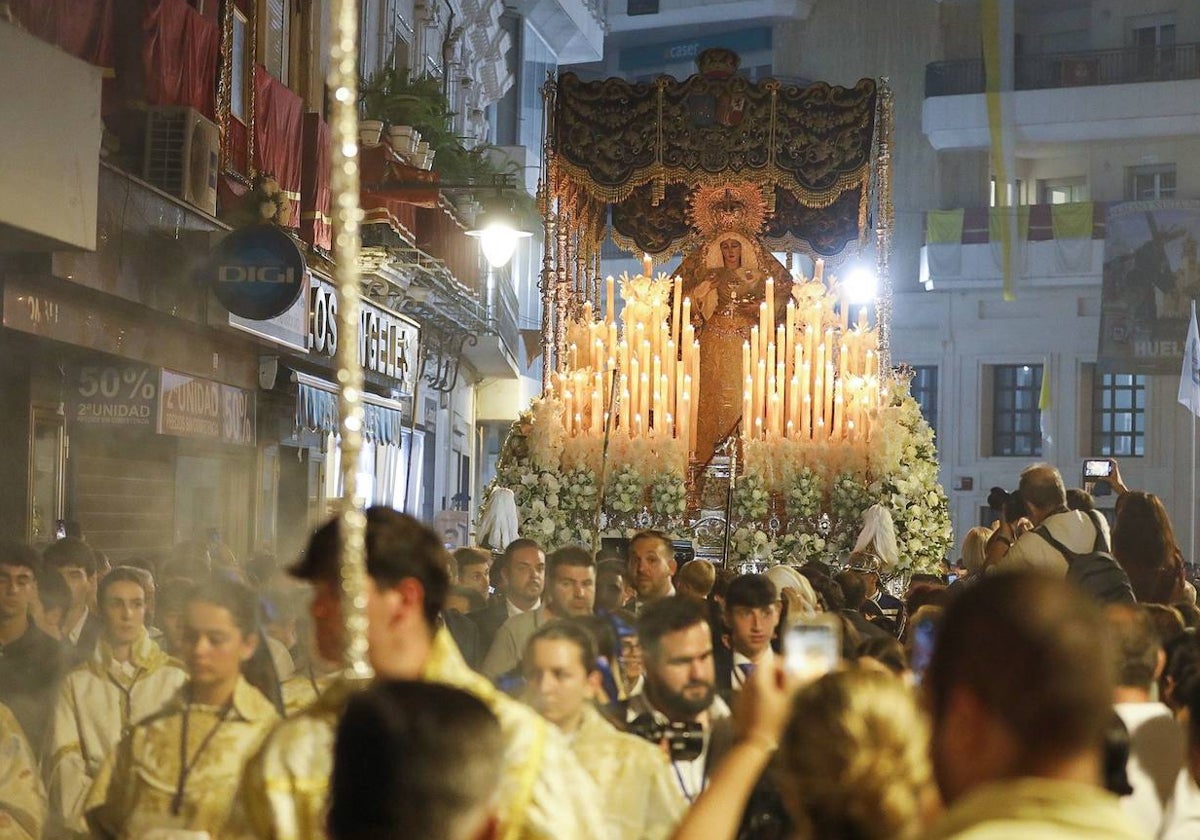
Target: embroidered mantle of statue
(726,279)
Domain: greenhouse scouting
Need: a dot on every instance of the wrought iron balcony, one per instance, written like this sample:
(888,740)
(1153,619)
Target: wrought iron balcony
(1131,65)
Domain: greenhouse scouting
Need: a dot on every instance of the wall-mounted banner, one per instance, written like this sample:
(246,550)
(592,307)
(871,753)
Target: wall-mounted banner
(1151,276)
(200,408)
(115,395)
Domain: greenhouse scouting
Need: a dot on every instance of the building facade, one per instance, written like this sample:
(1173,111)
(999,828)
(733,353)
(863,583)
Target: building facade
(139,406)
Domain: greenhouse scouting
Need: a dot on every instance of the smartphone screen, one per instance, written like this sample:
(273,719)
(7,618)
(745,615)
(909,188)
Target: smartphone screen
(813,647)
(1097,468)
(924,635)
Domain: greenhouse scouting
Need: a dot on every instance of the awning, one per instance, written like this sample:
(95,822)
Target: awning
(317,411)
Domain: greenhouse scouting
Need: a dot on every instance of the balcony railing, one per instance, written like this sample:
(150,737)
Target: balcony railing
(1076,69)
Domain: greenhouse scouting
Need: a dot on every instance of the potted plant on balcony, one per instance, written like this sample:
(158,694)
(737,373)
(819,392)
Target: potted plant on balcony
(415,109)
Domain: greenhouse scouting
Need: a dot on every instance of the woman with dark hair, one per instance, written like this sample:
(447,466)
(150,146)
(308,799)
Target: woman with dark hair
(1144,544)
(179,768)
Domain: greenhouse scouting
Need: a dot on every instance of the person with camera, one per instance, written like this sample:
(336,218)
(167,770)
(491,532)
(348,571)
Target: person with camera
(1042,497)
(679,702)
(639,797)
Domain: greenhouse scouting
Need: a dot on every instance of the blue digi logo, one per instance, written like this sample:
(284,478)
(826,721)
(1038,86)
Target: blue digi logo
(257,272)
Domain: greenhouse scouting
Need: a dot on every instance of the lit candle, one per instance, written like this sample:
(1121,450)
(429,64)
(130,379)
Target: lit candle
(827,399)
(819,271)
(625,402)
(745,408)
(806,418)
(635,379)
(789,336)
(568,414)
(647,266)
(770,302)
(656,406)
(793,402)
(760,387)
(835,431)
(610,299)
(676,306)
(637,425)
(644,397)
(578,424)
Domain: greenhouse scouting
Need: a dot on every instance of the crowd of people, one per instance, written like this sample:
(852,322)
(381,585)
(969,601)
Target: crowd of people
(1051,689)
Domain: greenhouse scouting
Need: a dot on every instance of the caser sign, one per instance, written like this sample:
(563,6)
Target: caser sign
(257,272)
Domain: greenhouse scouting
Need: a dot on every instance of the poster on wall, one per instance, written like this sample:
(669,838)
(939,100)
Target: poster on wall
(114,395)
(1151,276)
(192,407)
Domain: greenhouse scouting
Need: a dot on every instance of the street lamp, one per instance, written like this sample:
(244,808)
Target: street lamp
(498,234)
(860,285)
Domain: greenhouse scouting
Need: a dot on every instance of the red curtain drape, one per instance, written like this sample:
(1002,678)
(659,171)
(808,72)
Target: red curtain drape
(179,56)
(315,227)
(84,28)
(278,133)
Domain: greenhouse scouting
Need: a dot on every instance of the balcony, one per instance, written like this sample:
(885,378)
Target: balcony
(575,27)
(697,14)
(1058,245)
(1070,70)
(1072,97)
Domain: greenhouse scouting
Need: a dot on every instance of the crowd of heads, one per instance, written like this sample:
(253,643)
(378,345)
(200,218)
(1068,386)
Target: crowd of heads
(930,694)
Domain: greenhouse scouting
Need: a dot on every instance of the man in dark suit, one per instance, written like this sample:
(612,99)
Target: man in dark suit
(75,560)
(522,576)
(751,614)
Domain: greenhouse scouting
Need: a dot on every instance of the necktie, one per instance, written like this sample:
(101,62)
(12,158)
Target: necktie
(747,668)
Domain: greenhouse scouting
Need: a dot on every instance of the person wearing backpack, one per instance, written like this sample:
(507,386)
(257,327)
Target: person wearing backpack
(1065,543)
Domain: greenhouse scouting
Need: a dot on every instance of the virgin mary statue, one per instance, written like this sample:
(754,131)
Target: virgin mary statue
(726,279)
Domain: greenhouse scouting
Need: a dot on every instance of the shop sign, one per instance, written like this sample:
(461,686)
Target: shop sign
(257,272)
(200,408)
(387,342)
(116,395)
(662,53)
(288,330)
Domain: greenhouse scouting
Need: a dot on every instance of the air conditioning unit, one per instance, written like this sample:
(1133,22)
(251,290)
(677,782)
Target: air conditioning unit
(182,149)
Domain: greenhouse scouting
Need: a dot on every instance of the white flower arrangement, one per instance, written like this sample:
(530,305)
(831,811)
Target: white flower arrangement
(750,543)
(750,498)
(580,490)
(800,548)
(625,490)
(668,496)
(803,499)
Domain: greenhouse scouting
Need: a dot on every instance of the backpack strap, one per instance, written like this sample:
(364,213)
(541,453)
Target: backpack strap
(1068,555)
(1101,543)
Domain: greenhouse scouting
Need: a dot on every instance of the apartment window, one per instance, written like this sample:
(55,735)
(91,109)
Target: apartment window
(1062,190)
(278,30)
(239,66)
(1014,193)
(1151,182)
(1119,415)
(1016,420)
(1154,42)
(924,389)
(641,7)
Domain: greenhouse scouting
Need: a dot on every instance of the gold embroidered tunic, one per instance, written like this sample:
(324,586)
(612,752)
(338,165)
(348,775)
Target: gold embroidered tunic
(640,798)
(134,791)
(545,794)
(22,800)
(97,703)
